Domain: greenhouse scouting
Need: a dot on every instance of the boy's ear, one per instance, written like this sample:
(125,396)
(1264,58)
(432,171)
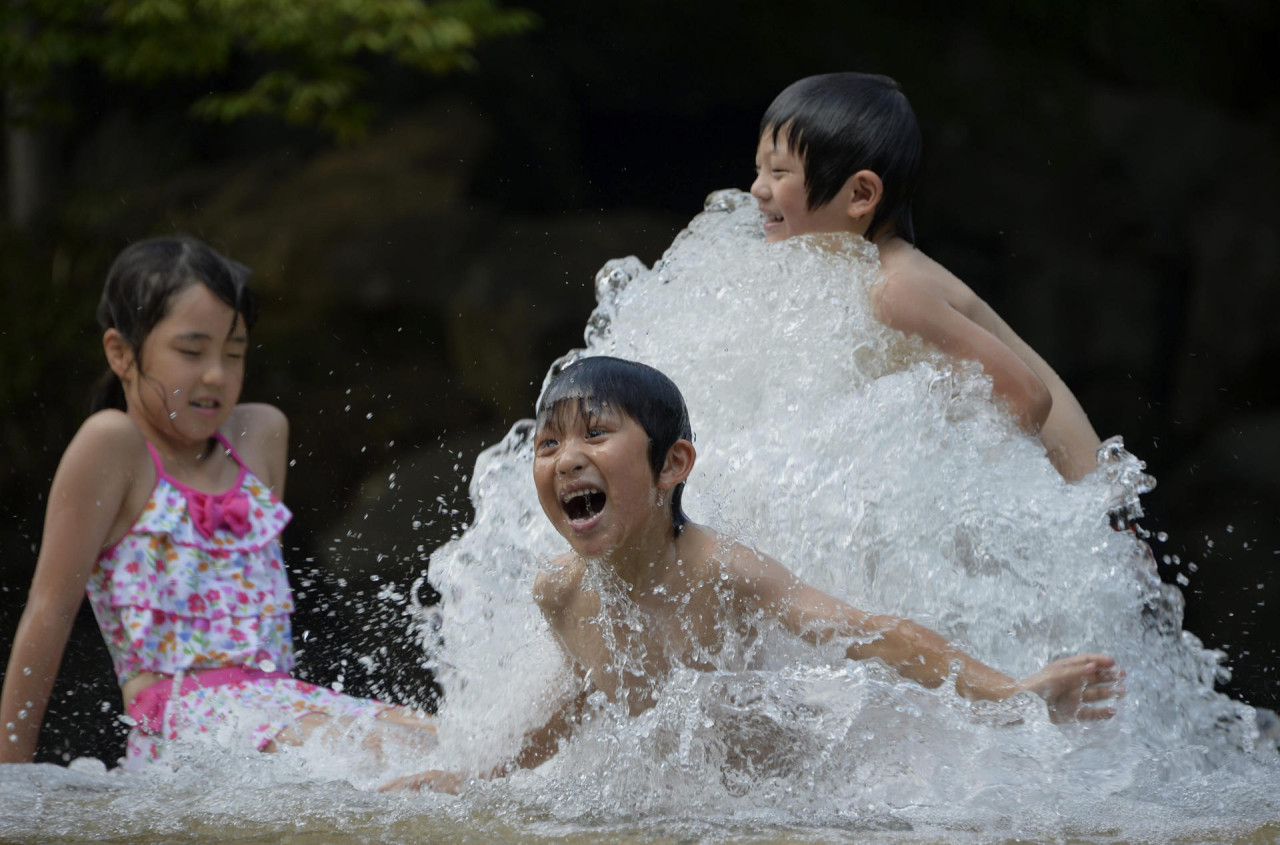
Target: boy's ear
(119,352)
(680,459)
(865,190)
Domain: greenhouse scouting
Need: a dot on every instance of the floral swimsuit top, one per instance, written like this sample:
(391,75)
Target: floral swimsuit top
(198,581)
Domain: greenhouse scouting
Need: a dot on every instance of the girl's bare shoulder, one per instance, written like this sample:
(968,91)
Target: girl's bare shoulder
(110,437)
(256,421)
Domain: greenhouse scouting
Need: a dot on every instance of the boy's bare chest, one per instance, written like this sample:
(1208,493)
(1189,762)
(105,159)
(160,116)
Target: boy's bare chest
(627,649)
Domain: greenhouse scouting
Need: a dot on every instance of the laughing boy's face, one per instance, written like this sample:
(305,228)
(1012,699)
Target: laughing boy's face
(594,480)
(779,189)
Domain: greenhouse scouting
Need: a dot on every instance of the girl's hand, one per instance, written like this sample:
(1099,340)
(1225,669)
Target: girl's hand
(1083,687)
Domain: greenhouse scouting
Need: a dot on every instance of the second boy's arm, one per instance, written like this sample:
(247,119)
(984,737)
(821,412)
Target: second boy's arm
(911,306)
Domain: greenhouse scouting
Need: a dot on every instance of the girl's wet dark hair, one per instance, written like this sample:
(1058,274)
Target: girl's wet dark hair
(589,385)
(143,281)
(840,123)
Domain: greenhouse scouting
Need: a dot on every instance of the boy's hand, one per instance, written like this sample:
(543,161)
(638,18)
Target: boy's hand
(1083,687)
(435,780)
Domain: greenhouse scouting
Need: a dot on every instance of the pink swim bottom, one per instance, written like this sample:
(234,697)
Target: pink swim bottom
(233,706)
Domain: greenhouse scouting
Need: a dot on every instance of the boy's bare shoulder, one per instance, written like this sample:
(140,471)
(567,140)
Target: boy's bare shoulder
(710,550)
(904,262)
(913,283)
(555,587)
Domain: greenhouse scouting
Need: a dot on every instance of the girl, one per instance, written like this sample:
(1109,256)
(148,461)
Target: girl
(166,509)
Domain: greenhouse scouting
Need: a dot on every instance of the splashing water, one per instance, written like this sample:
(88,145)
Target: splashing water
(877,470)
(884,473)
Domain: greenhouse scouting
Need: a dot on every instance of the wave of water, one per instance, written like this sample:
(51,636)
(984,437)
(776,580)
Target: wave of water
(878,471)
(886,474)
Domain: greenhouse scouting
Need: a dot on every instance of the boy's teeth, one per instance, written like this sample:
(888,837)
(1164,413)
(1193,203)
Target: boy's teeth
(583,504)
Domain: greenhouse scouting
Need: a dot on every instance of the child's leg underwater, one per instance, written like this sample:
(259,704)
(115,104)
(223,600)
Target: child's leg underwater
(407,729)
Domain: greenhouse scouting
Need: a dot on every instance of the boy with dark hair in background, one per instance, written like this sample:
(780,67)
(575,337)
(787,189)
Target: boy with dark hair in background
(841,152)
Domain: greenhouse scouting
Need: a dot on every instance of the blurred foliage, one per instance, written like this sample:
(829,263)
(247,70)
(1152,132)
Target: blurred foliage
(306,57)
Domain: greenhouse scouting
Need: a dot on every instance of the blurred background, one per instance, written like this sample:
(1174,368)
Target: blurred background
(425,193)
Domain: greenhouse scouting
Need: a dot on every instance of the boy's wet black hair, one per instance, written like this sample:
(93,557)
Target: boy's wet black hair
(840,123)
(141,284)
(589,385)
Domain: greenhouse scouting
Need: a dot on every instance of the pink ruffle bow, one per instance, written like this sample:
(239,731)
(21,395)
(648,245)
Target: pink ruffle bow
(209,513)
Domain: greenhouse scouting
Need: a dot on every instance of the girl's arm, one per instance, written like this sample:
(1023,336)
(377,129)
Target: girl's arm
(86,500)
(1071,687)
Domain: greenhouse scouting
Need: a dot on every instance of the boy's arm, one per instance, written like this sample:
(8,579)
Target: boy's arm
(1072,687)
(551,592)
(916,307)
(539,746)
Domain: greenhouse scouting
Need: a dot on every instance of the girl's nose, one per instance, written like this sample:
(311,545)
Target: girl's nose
(213,374)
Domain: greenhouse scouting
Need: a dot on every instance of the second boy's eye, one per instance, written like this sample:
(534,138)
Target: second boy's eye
(593,433)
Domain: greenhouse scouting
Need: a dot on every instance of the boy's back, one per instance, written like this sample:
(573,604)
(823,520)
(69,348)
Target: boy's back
(922,297)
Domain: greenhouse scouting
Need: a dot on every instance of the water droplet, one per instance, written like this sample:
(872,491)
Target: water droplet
(13,737)
(22,714)
(26,670)
(369,415)
(173,415)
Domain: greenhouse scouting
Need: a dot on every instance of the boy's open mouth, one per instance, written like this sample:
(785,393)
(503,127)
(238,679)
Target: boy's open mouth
(581,505)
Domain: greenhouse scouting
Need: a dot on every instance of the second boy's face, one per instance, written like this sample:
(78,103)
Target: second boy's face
(595,482)
(779,190)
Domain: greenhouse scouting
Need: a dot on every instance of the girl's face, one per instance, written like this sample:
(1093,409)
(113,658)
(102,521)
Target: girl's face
(192,370)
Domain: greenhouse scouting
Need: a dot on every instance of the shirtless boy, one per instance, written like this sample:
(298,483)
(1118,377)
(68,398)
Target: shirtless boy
(840,152)
(612,453)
